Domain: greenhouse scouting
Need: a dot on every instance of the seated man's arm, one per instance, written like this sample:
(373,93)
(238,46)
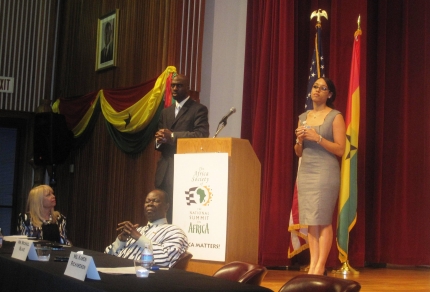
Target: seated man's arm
(168,244)
(129,249)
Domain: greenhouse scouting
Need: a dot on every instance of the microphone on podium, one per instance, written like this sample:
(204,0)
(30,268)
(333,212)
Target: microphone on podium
(223,121)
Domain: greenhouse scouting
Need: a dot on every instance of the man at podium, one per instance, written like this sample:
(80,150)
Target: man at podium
(183,119)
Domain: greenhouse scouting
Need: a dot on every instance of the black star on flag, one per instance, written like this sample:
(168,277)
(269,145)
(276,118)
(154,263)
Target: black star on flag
(127,120)
(352,149)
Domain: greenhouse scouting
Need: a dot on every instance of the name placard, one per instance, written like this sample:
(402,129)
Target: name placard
(80,265)
(24,248)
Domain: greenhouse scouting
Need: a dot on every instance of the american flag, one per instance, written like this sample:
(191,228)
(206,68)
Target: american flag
(317,67)
(299,233)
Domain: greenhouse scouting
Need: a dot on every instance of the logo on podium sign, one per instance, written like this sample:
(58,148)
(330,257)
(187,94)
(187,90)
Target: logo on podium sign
(199,195)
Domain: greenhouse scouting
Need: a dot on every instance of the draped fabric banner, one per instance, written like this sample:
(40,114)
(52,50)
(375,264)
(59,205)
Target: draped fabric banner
(299,233)
(347,215)
(131,114)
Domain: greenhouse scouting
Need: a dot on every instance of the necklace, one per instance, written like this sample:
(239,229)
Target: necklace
(316,114)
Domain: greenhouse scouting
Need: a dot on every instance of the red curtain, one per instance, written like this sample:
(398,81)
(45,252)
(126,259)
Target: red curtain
(398,215)
(394,124)
(268,115)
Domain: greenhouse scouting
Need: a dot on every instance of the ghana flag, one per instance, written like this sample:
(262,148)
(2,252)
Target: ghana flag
(348,186)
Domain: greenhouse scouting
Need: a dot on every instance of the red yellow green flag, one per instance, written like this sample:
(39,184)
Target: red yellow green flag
(347,215)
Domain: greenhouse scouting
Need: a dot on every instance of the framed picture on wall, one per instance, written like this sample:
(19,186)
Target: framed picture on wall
(107,40)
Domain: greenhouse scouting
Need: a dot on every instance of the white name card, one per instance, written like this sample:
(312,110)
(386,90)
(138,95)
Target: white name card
(24,248)
(81,265)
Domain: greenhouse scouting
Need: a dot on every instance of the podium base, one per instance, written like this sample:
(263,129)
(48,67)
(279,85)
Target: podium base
(346,269)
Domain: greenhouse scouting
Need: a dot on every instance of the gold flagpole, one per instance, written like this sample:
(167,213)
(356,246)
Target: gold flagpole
(346,269)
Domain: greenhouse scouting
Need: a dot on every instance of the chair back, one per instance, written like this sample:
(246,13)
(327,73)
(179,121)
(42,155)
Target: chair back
(318,283)
(242,272)
(182,262)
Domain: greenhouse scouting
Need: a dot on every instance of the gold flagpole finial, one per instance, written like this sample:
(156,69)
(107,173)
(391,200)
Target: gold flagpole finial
(358,31)
(318,13)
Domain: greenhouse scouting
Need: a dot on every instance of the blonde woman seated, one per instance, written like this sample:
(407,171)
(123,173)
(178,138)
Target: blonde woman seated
(41,220)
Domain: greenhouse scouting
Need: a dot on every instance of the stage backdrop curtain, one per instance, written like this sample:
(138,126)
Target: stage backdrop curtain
(268,116)
(393,165)
(397,215)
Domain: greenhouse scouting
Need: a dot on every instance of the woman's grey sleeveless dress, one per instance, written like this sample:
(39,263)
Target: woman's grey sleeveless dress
(318,177)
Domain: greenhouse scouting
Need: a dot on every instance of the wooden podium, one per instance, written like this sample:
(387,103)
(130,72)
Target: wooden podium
(243,205)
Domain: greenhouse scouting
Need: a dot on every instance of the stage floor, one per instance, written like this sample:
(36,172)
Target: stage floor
(392,278)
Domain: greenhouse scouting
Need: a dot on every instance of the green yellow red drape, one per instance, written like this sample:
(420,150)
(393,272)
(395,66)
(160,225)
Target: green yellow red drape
(131,114)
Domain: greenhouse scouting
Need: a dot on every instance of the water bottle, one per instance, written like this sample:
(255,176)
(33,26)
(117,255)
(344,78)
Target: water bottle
(147,256)
(1,239)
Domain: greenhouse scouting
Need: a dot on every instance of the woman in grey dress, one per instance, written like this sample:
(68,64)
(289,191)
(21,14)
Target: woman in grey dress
(320,140)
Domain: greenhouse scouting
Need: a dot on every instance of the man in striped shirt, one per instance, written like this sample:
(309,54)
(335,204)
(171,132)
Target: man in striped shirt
(168,241)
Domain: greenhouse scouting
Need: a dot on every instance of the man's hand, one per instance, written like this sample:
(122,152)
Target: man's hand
(127,230)
(164,136)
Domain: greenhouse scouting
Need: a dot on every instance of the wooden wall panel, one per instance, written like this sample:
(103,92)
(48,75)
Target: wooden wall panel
(105,188)
(50,45)
(108,186)
(153,34)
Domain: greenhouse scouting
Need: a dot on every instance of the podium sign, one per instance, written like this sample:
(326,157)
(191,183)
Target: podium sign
(200,199)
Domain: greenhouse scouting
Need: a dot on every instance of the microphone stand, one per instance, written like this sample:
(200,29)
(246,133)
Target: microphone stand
(222,124)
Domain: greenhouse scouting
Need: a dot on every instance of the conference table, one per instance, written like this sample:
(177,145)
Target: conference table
(17,275)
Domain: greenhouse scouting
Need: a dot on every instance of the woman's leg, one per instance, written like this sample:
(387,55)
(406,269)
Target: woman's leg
(325,242)
(320,238)
(313,238)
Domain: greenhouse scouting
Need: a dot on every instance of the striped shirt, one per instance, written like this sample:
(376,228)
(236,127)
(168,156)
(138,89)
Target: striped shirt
(168,243)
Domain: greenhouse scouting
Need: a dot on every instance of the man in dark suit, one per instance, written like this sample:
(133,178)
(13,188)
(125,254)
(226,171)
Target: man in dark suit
(183,119)
(107,52)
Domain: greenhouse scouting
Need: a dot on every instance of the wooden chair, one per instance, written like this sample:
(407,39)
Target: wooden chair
(318,283)
(182,262)
(242,272)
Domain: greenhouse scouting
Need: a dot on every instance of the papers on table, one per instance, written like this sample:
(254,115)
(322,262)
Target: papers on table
(122,270)
(14,238)
(118,271)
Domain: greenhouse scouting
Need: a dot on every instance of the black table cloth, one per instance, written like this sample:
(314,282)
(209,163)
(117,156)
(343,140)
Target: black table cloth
(16,275)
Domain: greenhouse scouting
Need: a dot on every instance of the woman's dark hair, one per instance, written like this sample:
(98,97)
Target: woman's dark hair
(332,89)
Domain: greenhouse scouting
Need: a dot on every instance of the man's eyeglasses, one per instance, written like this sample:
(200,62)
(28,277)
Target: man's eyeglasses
(322,88)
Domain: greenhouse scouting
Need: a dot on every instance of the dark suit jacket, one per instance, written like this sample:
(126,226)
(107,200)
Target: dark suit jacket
(191,122)
(107,53)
